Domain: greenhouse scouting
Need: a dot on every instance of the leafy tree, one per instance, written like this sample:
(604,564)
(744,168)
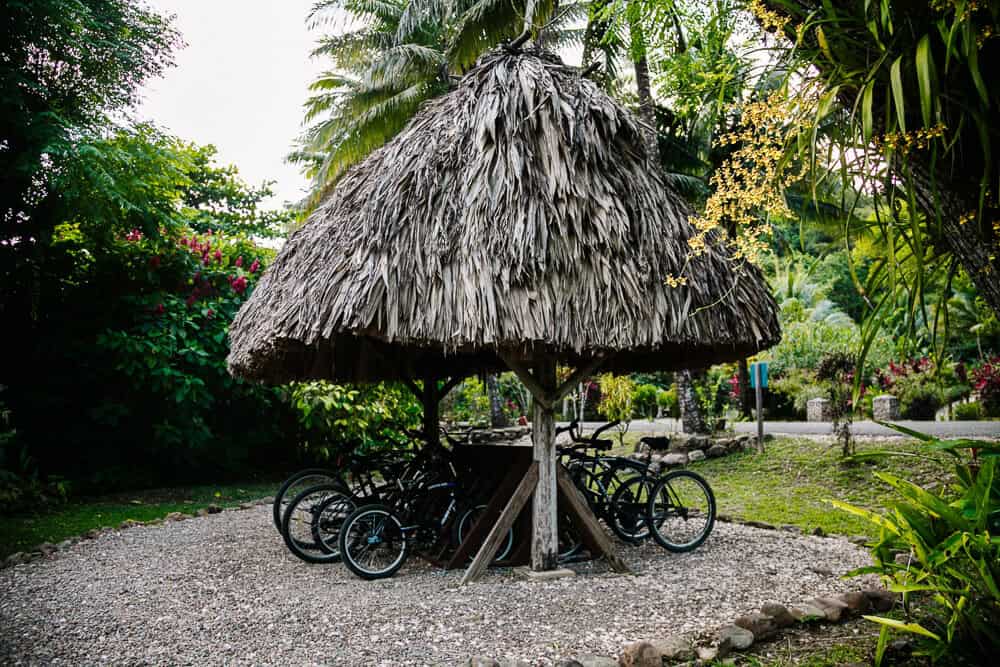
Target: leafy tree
(130,346)
(915,115)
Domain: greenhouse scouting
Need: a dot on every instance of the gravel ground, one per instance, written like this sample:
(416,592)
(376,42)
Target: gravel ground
(223,590)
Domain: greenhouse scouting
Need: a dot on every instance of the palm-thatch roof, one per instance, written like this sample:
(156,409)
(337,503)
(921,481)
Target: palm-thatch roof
(518,212)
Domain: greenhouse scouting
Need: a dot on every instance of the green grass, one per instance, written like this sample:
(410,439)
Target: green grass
(58,522)
(789,483)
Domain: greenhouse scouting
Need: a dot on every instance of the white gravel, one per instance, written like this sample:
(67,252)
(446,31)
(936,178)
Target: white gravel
(222,589)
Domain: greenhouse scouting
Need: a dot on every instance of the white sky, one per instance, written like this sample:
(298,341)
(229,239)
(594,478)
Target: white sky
(239,84)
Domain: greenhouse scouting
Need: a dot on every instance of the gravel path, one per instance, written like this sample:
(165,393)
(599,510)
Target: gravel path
(222,590)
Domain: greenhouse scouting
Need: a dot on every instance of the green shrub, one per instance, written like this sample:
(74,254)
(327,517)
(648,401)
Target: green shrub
(644,401)
(666,400)
(616,401)
(922,386)
(971,411)
(467,402)
(341,418)
(952,569)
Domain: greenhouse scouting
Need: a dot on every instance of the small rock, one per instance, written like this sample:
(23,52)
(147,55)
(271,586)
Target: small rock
(479,661)
(128,523)
(47,548)
(832,608)
(856,601)
(174,516)
(707,653)
(245,506)
(674,460)
(696,455)
(698,442)
(805,612)
(761,625)
(597,661)
(760,524)
(640,654)
(860,540)
(16,558)
(568,662)
(734,638)
(903,558)
(715,451)
(821,570)
(65,544)
(779,614)
(881,600)
(92,534)
(789,528)
(818,531)
(675,649)
(202,512)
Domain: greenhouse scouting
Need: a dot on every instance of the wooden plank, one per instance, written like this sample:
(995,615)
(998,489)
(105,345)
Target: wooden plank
(581,373)
(538,392)
(489,516)
(544,535)
(449,385)
(514,506)
(584,518)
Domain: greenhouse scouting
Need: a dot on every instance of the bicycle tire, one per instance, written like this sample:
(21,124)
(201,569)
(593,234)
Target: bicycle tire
(629,512)
(468,520)
(321,475)
(300,516)
(371,526)
(330,516)
(666,506)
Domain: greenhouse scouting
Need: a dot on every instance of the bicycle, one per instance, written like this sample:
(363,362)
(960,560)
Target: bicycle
(376,539)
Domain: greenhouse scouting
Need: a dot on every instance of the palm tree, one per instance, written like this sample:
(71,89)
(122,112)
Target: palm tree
(401,54)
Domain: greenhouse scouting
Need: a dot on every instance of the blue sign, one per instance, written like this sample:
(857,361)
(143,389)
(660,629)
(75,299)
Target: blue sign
(762,365)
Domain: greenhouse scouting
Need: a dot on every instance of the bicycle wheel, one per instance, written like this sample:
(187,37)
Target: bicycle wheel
(588,478)
(570,541)
(295,484)
(681,511)
(330,516)
(629,507)
(464,526)
(373,544)
(300,525)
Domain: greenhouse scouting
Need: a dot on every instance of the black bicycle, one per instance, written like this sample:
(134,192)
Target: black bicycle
(376,539)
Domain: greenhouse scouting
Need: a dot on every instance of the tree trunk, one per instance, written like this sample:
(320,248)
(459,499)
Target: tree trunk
(646,112)
(966,241)
(497,417)
(746,396)
(692,420)
(593,35)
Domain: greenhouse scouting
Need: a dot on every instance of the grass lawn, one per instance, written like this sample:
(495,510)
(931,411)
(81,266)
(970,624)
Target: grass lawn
(58,522)
(790,482)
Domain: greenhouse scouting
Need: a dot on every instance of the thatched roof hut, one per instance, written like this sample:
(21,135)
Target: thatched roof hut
(516,221)
(516,213)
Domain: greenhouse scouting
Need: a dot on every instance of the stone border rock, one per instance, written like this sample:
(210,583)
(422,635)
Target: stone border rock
(679,449)
(740,635)
(755,627)
(48,549)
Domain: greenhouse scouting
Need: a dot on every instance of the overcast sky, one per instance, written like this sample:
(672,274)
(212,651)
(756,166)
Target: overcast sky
(239,84)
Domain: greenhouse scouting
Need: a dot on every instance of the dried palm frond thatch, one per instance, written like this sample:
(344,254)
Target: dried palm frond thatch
(516,213)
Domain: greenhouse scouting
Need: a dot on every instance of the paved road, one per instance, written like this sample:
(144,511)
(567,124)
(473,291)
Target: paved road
(952,429)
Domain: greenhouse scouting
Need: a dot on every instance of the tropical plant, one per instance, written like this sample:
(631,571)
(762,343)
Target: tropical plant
(644,400)
(837,371)
(341,419)
(950,563)
(986,382)
(915,117)
(617,392)
(395,56)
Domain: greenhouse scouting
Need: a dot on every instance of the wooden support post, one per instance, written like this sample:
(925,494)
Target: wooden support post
(489,549)
(584,518)
(544,533)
